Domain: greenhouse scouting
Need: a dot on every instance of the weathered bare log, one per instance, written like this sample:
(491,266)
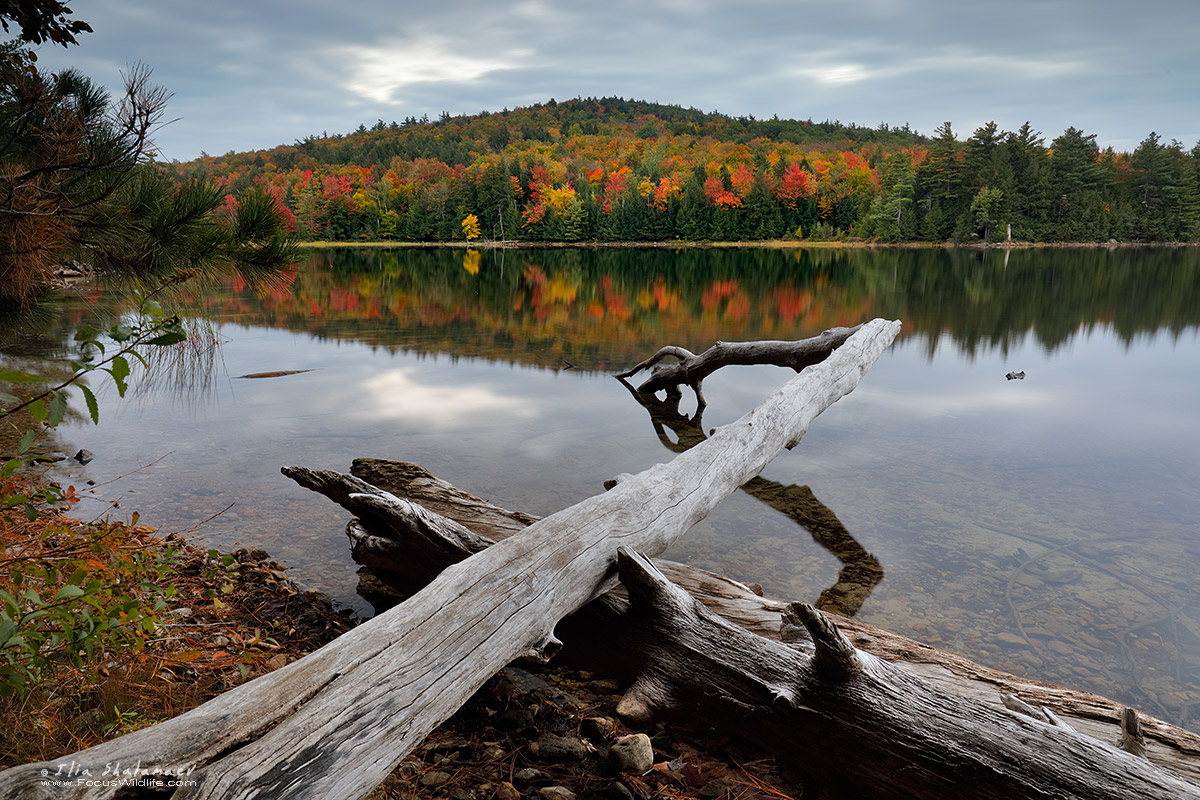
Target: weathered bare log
(692,369)
(415,483)
(335,723)
(394,534)
(857,725)
(1166,745)
(390,542)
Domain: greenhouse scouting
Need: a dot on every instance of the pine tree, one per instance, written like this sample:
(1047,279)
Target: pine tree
(76,184)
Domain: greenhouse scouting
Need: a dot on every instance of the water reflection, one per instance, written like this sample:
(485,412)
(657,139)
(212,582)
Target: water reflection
(601,307)
(402,394)
(860,572)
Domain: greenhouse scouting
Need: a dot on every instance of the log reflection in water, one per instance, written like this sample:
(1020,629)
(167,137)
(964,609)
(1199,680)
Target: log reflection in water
(860,572)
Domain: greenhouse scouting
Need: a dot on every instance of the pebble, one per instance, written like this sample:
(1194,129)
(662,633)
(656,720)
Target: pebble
(506,791)
(556,793)
(632,754)
(526,776)
(559,748)
(434,778)
(1010,639)
(514,719)
(621,792)
(598,728)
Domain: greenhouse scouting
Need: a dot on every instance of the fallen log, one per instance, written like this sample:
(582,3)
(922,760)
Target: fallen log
(335,723)
(1103,719)
(855,724)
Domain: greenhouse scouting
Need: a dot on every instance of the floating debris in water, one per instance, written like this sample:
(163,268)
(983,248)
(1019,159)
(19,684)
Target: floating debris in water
(278,374)
(1016,376)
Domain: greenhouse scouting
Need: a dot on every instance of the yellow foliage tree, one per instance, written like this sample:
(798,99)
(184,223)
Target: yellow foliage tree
(470,226)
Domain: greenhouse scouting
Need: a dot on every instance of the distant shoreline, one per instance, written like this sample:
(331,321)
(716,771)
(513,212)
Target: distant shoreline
(771,244)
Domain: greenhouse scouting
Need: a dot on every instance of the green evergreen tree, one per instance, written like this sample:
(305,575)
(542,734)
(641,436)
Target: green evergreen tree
(1157,191)
(1075,178)
(695,213)
(986,207)
(77,183)
(940,182)
(891,216)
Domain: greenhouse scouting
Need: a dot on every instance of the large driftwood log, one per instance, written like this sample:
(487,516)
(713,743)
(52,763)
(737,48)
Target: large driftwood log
(335,723)
(1165,745)
(692,369)
(855,724)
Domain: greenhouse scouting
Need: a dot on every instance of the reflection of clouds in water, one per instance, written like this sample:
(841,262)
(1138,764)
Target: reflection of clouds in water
(949,402)
(395,394)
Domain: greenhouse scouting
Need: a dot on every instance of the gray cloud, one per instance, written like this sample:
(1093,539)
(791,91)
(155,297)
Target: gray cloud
(250,75)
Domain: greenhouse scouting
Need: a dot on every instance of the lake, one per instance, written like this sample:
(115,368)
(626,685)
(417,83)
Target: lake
(1047,526)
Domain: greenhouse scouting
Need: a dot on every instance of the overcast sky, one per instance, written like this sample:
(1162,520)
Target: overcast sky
(253,74)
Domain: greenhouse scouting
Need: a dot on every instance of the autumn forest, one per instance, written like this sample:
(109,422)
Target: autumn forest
(616,170)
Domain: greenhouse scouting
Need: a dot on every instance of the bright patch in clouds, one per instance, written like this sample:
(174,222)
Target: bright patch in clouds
(378,73)
(843,73)
(395,394)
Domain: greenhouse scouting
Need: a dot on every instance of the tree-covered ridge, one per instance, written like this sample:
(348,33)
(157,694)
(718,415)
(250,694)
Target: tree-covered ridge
(617,170)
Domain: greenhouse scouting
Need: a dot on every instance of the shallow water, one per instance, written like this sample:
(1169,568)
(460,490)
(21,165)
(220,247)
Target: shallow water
(1046,526)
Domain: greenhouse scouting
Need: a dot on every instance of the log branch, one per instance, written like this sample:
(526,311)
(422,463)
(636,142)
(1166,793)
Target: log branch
(860,572)
(691,369)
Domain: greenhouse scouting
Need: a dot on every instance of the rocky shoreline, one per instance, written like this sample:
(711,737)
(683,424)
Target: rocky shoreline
(552,733)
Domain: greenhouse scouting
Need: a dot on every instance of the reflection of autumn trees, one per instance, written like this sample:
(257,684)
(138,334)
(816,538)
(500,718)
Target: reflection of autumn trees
(607,306)
(538,306)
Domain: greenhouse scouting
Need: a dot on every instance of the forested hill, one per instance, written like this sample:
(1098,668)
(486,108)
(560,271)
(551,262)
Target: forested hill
(619,170)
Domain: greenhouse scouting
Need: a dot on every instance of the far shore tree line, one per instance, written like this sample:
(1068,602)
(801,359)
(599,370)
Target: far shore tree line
(617,170)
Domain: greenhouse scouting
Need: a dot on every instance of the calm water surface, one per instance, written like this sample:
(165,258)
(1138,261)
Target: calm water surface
(1046,526)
